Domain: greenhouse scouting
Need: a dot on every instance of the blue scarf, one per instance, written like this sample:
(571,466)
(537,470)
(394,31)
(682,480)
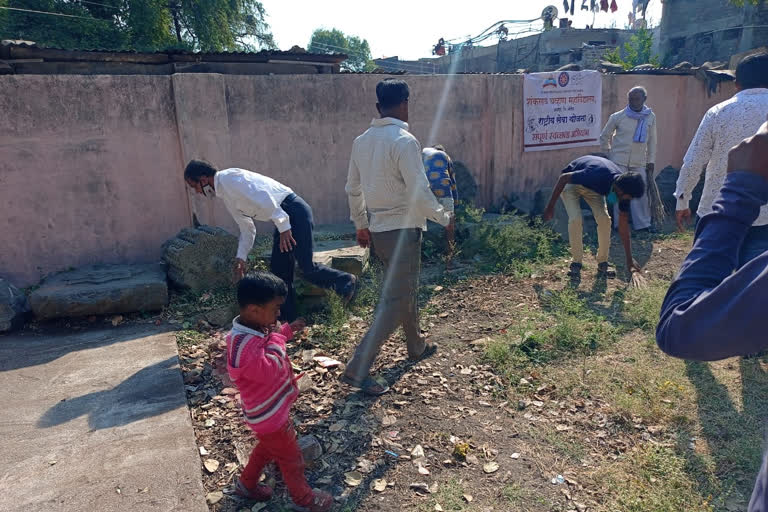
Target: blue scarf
(641,132)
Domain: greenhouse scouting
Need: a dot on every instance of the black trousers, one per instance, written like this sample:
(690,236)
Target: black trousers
(283,264)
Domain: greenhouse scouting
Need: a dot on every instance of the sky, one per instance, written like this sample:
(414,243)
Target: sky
(410,28)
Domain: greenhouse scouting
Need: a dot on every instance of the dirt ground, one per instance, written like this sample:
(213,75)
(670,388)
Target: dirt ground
(453,433)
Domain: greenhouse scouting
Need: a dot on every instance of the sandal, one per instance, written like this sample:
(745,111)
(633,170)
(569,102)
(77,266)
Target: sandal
(370,386)
(429,350)
(260,493)
(321,502)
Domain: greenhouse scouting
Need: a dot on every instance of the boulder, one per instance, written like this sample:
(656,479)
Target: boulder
(222,316)
(101,290)
(200,258)
(13,306)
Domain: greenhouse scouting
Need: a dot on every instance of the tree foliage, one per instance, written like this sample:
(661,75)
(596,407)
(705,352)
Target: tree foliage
(636,51)
(335,41)
(144,25)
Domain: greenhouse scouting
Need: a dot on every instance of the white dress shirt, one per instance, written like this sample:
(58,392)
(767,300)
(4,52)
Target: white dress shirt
(251,196)
(387,180)
(725,125)
(617,140)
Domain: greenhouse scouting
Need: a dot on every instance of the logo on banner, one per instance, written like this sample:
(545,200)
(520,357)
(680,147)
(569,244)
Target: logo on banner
(549,82)
(563,79)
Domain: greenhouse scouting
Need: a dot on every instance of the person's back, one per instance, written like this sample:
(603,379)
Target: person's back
(724,126)
(376,153)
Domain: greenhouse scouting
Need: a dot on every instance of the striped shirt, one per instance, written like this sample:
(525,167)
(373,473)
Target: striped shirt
(259,366)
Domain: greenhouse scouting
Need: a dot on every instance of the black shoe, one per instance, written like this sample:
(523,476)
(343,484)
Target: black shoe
(575,270)
(603,270)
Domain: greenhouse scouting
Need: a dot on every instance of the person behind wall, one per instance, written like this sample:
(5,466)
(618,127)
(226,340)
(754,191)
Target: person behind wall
(390,202)
(714,309)
(724,126)
(442,182)
(250,196)
(593,178)
(629,139)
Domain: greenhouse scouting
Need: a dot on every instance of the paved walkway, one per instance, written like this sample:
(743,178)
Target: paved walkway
(96,421)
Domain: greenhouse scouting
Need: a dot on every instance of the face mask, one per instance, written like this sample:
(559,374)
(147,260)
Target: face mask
(209,191)
(612,198)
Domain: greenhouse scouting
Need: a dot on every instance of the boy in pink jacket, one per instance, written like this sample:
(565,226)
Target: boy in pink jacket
(259,367)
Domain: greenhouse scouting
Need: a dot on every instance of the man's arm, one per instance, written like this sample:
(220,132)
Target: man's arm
(358,211)
(606,136)
(420,196)
(247,235)
(710,312)
(696,158)
(564,179)
(651,155)
(626,239)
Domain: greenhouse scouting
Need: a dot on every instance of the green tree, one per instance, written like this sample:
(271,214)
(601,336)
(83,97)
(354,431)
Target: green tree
(144,25)
(636,51)
(335,41)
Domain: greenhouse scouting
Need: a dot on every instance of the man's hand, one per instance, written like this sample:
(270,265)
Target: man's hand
(633,266)
(298,325)
(239,271)
(548,214)
(649,168)
(363,238)
(683,218)
(287,243)
(752,154)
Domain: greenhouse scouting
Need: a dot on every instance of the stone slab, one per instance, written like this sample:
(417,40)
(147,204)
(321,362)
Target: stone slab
(343,255)
(200,259)
(96,421)
(13,306)
(101,290)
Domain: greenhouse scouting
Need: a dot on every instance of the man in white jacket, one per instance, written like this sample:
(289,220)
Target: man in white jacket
(629,140)
(251,196)
(390,202)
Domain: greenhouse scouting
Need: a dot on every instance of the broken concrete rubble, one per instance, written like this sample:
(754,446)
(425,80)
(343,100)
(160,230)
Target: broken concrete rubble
(201,258)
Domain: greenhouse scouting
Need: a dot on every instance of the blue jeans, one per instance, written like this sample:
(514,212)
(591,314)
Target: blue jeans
(283,264)
(755,244)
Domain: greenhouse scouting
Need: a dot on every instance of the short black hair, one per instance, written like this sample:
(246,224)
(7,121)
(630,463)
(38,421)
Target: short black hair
(259,288)
(391,92)
(631,183)
(752,71)
(196,169)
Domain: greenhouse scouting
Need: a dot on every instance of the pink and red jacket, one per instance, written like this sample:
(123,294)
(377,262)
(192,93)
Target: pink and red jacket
(258,365)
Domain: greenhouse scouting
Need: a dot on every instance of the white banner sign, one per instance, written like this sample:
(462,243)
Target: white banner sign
(562,109)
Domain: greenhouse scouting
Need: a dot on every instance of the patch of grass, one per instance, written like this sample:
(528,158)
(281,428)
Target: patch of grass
(652,479)
(188,337)
(642,305)
(450,496)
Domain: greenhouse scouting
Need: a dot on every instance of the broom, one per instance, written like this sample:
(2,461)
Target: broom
(658,213)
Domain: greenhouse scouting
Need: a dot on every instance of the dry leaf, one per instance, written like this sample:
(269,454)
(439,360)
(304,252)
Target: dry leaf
(214,497)
(211,465)
(422,469)
(379,485)
(388,420)
(353,478)
(417,452)
(491,467)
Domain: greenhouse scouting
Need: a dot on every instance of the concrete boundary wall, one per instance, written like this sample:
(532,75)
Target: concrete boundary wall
(90,166)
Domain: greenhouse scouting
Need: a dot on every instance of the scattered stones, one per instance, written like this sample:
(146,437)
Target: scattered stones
(214,497)
(13,306)
(211,465)
(310,448)
(201,258)
(379,485)
(417,452)
(101,290)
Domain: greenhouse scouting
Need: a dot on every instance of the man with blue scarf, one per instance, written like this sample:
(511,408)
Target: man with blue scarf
(629,140)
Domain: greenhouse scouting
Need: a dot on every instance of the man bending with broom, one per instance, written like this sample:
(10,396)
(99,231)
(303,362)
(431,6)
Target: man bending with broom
(629,140)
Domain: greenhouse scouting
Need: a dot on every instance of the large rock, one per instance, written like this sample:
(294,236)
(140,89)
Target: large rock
(200,258)
(13,306)
(101,290)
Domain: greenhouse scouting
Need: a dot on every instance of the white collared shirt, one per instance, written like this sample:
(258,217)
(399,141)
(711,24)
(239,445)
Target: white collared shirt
(251,196)
(387,181)
(725,125)
(617,140)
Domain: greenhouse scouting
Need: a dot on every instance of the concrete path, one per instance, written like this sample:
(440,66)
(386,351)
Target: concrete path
(96,421)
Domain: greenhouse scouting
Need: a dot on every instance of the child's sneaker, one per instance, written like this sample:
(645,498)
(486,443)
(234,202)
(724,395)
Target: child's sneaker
(260,493)
(321,502)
